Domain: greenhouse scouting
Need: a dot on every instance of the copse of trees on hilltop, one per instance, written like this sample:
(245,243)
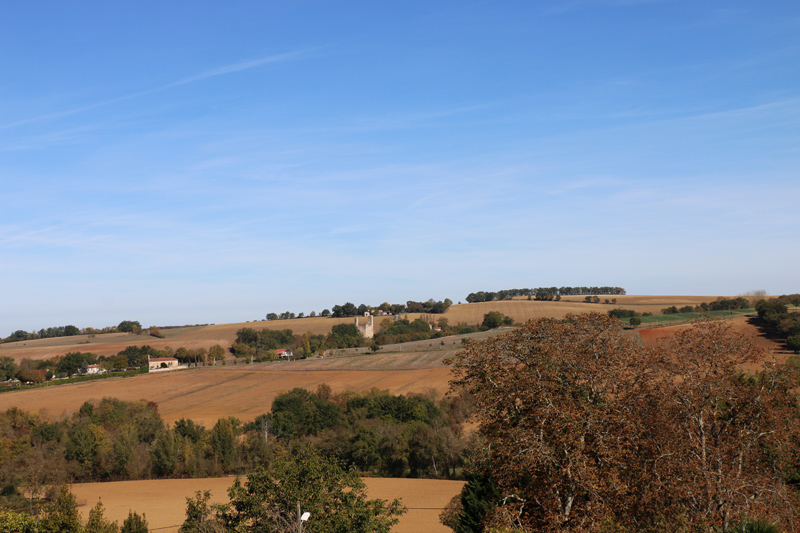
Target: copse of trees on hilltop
(44,333)
(129,326)
(350,309)
(540,293)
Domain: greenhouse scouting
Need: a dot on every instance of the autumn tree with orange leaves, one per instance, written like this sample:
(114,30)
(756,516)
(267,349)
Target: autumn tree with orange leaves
(583,430)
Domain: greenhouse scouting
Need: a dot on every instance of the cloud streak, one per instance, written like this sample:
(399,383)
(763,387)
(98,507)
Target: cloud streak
(221,71)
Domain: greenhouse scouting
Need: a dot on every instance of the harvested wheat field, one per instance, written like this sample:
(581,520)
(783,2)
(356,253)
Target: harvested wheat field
(522,309)
(193,337)
(189,337)
(244,391)
(164,501)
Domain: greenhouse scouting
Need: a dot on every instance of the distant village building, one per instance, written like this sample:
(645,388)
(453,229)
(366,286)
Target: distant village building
(157,363)
(284,353)
(93,369)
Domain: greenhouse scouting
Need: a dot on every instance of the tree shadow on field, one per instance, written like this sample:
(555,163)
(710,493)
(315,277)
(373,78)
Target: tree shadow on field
(769,333)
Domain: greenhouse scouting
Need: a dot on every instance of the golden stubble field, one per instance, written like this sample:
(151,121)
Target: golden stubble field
(191,337)
(194,337)
(244,391)
(164,501)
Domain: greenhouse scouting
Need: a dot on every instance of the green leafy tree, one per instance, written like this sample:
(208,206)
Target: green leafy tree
(335,497)
(129,326)
(63,516)
(98,523)
(164,453)
(223,443)
(11,522)
(7,368)
(81,444)
(200,516)
(216,352)
(72,362)
(19,335)
(345,336)
(794,343)
(135,523)
(189,429)
(299,412)
(493,319)
(475,501)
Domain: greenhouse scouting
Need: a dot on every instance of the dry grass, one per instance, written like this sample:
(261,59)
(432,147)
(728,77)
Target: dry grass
(164,501)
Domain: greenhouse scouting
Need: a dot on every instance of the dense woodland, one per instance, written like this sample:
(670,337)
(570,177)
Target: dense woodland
(265,501)
(375,433)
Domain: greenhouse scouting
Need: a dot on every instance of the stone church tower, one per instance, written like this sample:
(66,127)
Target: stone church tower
(366,329)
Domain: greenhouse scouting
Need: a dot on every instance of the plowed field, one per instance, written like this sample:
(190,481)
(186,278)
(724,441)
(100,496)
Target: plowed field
(207,394)
(652,336)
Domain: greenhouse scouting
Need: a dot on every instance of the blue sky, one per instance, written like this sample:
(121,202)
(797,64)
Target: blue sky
(197,162)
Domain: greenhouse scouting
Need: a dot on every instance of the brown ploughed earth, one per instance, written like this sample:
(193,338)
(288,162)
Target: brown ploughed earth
(244,391)
(163,501)
(651,337)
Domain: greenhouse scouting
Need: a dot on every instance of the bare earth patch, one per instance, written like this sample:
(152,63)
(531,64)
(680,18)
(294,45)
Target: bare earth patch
(651,337)
(164,501)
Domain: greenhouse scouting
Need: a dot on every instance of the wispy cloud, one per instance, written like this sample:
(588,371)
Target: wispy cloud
(220,71)
(229,69)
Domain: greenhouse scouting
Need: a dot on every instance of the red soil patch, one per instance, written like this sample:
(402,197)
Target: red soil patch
(651,337)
